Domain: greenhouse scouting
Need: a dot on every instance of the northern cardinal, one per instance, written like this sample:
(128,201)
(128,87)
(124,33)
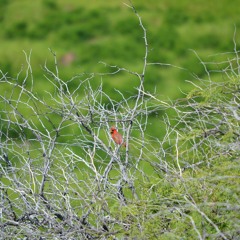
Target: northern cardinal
(116,136)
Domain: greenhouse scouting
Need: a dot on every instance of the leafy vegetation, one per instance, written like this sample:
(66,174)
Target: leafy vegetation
(109,32)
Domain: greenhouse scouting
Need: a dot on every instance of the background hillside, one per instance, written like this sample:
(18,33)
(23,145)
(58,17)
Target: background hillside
(82,33)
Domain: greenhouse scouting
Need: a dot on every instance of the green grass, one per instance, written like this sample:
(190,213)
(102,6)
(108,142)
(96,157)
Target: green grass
(111,33)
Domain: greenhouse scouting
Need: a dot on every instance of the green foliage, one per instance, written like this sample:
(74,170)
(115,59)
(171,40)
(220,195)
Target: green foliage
(50,4)
(94,32)
(176,16)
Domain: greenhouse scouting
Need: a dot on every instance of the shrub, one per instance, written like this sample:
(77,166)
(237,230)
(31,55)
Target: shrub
(63,177)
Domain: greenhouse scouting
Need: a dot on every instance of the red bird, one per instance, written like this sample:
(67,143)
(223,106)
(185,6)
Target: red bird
(116,136)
